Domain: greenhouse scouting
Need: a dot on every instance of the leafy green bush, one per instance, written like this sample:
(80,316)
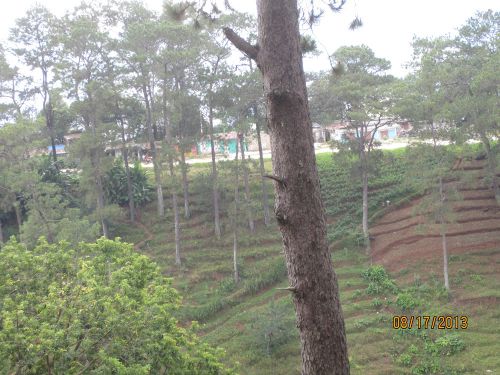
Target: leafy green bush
(115,184)
(407,302)
(275,327)
(376,303)
(379,281)
(96,308)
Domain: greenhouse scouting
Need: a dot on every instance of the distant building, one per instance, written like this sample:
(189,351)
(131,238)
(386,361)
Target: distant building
(320,133)
(253,144)
(60,150)
(224,143)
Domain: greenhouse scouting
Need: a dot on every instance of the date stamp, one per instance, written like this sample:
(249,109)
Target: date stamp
(430,322)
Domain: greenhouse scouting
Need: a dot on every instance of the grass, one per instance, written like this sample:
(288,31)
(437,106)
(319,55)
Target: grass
(254,321)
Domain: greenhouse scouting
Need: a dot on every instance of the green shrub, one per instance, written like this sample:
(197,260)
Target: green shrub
(406,301)
(449,344)
(97,308)
(379,281)
(376,303)
(115,184)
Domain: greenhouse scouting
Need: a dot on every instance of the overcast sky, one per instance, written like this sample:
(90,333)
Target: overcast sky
(388,25)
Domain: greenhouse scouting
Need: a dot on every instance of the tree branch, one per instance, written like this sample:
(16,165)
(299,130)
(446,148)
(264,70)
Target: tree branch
(279,180)
(250,50)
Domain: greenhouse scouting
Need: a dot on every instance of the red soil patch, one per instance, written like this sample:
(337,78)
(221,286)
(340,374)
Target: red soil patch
(401,239)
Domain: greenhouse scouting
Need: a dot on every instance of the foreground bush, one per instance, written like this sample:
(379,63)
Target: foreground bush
(96,308)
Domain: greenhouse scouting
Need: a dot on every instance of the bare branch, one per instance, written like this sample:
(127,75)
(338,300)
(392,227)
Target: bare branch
(248,49)
(279,180)
(290,289)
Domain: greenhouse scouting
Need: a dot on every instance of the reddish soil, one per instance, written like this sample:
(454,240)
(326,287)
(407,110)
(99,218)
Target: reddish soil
(402,239)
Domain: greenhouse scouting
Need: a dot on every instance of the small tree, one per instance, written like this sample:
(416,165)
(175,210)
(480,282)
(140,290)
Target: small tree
(93,308)
(360,97)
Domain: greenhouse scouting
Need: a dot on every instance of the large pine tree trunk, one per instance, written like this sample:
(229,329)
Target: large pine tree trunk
(298,206)
(185,184)
(215,189)
(265,199)
(248,205)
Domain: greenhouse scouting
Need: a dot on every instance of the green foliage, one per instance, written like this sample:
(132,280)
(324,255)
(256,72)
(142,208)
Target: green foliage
(115,184)
(378,280)
(96,308)
(274,328)
(338,191)
(407,301)
(376,303)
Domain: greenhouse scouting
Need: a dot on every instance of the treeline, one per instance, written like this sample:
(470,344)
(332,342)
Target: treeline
(120,75)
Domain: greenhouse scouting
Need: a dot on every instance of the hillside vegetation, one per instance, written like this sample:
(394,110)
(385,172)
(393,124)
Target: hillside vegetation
(254,320)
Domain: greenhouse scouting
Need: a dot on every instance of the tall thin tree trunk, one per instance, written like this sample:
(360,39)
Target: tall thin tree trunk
(130,193)
(445,257)
(366,233)
(100,206)
(48,112)
(298,206)
(1,232)
(175,208)
(265,199)
(248,205)
(185,184)
(19,218)
(154,155)
(169,138)
(215,189)
(236,218)
(443,235)
(492,166)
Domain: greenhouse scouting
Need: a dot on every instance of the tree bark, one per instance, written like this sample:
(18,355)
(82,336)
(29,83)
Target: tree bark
(265,199)
(251,224)
(185,184)
(100,206)
(130,193)
(152,145)
(366,233)
(169,139)
(19,218)
(48,110)
(1,232)
(298,207)
(215,189)
(175,208)
(492,166)
(235,219)
(443,236)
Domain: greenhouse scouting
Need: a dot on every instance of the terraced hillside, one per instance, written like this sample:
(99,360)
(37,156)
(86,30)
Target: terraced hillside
(403,237)
(254,320)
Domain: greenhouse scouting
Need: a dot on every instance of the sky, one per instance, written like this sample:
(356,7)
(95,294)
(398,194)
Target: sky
(388,25)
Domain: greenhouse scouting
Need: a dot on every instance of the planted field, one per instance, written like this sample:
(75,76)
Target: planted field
(254,321)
